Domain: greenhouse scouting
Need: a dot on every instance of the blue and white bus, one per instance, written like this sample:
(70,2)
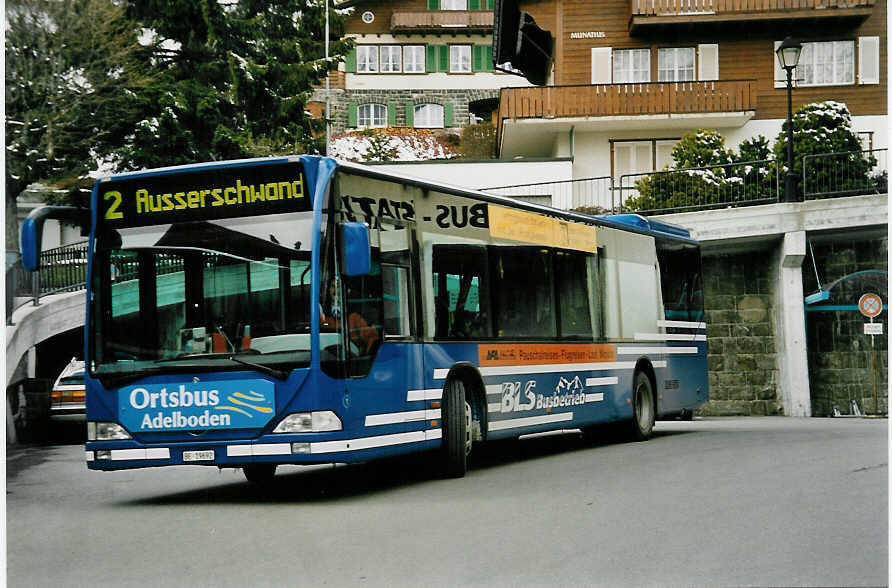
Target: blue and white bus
(299,310)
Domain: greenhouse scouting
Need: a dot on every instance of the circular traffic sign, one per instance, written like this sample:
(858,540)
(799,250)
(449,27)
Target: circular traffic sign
(870,305)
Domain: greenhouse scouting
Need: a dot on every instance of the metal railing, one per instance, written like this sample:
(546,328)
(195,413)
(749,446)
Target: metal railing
(62,269)
(586,193)
(697,188)
(850,173)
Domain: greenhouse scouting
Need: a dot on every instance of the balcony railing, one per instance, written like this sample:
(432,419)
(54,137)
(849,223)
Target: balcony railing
(628,99)
(478,20)
(853,173)
(675,7)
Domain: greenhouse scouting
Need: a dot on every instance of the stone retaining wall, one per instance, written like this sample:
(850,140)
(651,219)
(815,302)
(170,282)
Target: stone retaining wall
(738,296)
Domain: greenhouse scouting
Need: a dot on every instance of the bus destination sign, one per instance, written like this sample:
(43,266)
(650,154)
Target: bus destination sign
(204,194)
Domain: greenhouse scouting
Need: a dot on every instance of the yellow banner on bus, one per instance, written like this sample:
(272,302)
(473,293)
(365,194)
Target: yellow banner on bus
(529,227)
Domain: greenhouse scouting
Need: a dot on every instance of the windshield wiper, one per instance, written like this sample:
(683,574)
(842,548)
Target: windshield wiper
(278,374)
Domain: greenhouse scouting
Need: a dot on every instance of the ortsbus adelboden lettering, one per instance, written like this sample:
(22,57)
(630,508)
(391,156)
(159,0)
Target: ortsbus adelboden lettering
(141,399)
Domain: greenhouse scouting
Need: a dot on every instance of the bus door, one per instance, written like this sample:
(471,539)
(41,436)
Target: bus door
(384,360)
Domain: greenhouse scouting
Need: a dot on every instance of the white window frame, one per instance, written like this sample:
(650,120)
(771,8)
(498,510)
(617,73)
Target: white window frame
(657,153)
(839,56)
(371,116)
(668,69)
(391,59)
(413,63)
(453,4)
(631,66)
(429,116)
(366,59)
(460,59)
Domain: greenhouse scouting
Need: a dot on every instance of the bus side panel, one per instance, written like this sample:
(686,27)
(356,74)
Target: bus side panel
(542,394)
(384,402)
(683,385)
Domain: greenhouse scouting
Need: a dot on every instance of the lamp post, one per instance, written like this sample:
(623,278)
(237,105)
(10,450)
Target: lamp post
(327,86)
(788,56)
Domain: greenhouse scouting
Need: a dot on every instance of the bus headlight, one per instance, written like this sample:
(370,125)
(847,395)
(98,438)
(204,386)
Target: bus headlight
(309,422)
(102,431)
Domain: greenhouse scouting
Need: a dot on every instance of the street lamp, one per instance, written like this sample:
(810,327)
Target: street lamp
(788,56)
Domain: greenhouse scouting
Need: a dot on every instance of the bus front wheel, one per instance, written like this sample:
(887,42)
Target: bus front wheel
(643,408)
(456,429)
(259,473)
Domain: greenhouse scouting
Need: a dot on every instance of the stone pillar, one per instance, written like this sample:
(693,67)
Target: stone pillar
(792,363)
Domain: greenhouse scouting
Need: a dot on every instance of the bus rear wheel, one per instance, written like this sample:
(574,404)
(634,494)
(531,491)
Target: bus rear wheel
(456,429)
(643,408)
(259,473)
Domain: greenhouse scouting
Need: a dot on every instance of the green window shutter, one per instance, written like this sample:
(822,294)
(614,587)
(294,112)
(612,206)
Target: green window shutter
(477,58)
(490,4)
(351,61)
(351,114)
(487,59)
(433,4)
(473,4)
(443,51)
(410,114)
(391,113)
(447,114)
(431,58)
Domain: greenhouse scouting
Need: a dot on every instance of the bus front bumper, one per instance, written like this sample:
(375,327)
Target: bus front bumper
(280,449)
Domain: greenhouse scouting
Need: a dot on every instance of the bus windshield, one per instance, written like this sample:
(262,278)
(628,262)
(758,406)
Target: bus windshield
(203,294)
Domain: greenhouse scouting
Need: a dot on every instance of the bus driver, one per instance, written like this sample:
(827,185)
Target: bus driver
(361,334)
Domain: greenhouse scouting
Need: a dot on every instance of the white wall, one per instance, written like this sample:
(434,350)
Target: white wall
(486,174)
(428,81)
(592,149)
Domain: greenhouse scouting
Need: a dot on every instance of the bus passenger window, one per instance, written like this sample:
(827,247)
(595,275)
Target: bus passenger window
(460,294)
(522,286)
(682,286)
(572,285)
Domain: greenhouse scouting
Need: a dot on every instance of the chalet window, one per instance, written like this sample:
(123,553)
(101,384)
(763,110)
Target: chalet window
(829,63)
(631,65)
(428,116)
(372,115)
(367,58)
(459,59)
(413,58)
(391,59)
(454,5)
(676,64)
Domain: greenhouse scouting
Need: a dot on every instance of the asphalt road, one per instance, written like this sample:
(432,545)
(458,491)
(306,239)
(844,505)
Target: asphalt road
(717,502)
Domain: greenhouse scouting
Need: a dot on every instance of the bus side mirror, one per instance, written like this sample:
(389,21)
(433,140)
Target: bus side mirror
(32,230)
(356,249)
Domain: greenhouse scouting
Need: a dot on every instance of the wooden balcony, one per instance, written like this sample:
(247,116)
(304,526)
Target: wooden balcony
(437,21)
(603,100)
(658,14)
